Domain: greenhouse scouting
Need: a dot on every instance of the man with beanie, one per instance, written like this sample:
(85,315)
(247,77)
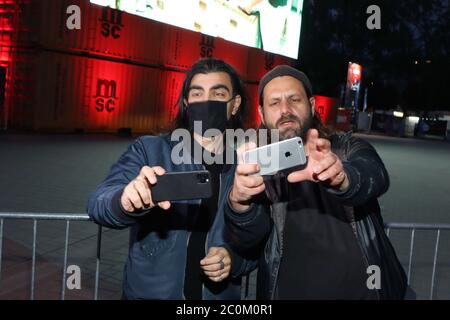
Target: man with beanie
(318,230)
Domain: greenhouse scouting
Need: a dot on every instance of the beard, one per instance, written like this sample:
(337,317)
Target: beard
(303,127)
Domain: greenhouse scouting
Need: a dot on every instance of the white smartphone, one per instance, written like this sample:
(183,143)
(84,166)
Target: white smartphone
(279,156)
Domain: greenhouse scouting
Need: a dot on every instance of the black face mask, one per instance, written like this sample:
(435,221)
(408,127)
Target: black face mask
(212,115)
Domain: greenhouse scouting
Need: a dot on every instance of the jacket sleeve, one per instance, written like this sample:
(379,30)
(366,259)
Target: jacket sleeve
(239,265)
(365,170)
(104,205)
(246,232)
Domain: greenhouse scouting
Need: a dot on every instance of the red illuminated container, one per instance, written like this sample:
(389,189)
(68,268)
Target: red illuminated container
(327,108)
(260,62)
(169,89)
(12,22)
(118,71)
(180,48)
(75,92)
(104,31)
(234,54)
(253,118)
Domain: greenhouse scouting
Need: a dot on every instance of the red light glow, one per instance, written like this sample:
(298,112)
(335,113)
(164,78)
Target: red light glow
(9,20)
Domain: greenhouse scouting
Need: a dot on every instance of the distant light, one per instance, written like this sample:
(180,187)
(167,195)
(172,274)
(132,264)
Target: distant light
(416,62)
(413,118)
(372,83)
(428,61)
(398,114)
(444,118)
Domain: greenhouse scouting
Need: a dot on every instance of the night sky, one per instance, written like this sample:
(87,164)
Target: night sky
(406,63)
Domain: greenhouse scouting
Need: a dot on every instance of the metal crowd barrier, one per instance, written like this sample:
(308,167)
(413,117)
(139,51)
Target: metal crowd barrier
(52,216)
(84,217)
(420,226)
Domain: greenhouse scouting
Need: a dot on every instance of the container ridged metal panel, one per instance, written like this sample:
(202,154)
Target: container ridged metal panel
(252,119)
(327,107)
(103,31)
(180,48)
(260,62)
(235,54)
(114,95)
(171,83)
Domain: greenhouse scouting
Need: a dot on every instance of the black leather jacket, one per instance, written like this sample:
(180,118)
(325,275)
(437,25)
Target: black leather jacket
(261,228)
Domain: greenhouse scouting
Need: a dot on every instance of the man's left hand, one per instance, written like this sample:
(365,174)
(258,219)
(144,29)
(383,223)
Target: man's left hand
(217,264)
(323,165)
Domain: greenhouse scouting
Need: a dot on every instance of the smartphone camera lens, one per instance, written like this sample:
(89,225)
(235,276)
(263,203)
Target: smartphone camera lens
(203,178)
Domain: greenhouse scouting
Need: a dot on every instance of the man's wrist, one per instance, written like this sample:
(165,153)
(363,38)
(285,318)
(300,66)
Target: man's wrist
(347,187)
(235,205)
(345,184)
(132,214)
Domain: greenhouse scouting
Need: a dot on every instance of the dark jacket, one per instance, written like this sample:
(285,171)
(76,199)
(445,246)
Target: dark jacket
(156,262)
(262,226)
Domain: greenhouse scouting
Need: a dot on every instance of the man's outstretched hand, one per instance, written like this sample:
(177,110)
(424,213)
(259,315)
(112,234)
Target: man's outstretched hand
(323,165)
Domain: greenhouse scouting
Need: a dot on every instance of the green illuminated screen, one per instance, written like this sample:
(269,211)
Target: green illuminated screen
(271,25)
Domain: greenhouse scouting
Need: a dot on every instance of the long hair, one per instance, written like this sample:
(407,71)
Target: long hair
(324,131)
(206,66)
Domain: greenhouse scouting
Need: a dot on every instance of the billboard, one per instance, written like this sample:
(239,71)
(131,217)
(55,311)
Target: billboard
(271,25)
(354,73)
(353,76)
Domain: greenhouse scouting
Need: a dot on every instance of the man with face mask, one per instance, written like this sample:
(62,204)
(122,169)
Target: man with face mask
(324,232)
(177,250)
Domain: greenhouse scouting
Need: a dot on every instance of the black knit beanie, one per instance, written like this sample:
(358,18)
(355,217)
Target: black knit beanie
(284,70)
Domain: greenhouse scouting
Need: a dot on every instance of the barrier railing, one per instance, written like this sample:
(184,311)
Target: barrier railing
(35,217)
(420,226)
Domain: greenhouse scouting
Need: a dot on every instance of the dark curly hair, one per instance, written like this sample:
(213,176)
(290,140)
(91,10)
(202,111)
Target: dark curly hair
(206,66)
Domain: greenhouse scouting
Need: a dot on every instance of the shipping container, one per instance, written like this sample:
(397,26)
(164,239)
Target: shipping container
(327,108)
(183,47)
(169,89)
(103,31)
(118,71)
(74,92)
(13,23)
(180,48)
(234,54)
(70,92)
(252,119)
(20,92)
(260,62)
(112,33)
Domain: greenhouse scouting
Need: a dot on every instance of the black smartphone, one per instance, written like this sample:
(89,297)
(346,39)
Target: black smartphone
(183,185)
